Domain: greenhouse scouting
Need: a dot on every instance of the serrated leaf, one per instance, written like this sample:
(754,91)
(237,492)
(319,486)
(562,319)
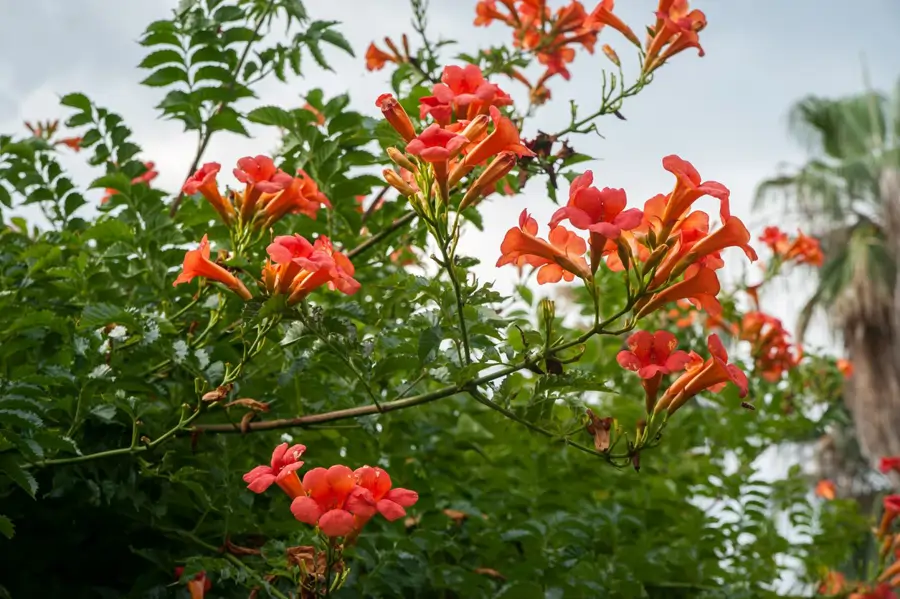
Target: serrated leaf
(335,38)
(165,76)
(14,470)
(7,528)
(99,315)
(76,100)
(271,115)
(20,418)
(429,340)
(161,57)
(227,119)
(118,181)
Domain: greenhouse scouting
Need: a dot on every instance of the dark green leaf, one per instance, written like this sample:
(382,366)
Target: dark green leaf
(166,76)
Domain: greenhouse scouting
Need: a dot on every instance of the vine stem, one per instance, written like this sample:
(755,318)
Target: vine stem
(206,136)
(381,235)
(409,402)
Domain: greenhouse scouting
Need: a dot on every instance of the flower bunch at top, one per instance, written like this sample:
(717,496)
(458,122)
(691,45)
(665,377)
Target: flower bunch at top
(802,249)
(337,500)
(46,130)
(463,107)
(552,36)
(269,193)
(772,351)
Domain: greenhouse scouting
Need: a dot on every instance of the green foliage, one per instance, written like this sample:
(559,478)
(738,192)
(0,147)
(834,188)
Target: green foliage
(114,469)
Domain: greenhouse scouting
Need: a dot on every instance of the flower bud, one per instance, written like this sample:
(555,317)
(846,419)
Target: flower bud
(394,180)
(656,257)
(396,116)
(400,159)
(611,55)
(476,127)
(496,170)
(458,172)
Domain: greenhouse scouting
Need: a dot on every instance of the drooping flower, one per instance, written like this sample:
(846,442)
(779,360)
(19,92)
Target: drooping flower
(198,585)
(732,233)
(377,58)
(559,258)
(73,143)
(825,489)
(891,510)
(204,181)
(282,471)
(323,505)
(381,498)
(603,15)
(712,374)
(198,264)
(651,355)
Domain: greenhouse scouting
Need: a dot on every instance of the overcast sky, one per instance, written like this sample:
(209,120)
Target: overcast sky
(725,112)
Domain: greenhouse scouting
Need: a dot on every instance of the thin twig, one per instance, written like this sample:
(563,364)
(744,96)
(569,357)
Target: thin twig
(381,235)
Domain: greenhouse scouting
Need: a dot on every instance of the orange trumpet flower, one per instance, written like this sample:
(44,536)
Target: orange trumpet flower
(198,264)
(562,257)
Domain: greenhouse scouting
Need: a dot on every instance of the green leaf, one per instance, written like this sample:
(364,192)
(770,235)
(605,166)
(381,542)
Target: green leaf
(23,478)
(271,115)
(213,73)
(429,340)
(227,119)
(20,419)
(76,100)
(7,528)
(99,315)
(5,198)
(166,76)
(161,57)
(118,181)
(335,38)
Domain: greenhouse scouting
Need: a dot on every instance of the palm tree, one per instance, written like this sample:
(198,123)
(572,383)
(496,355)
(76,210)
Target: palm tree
(848,195)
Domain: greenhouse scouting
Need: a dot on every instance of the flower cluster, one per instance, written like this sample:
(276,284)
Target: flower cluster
(669,245)
(337,500)
(554,37)
(772,351)
(654,355)
(801,250)
(269,193)
(295,268)
(47,130)
(468,129)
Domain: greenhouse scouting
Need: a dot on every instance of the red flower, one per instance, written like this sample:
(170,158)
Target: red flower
(303,267)
(602,212)
(560,258)
(732,233)
(395,115)
(650,354)
(73,143)
(323,506)
(701,289)
(301,196)
(436,145)
(845,367)
(260,176)
(504,138)
(381,497)
(602,15)
(676,30)
(281,471)
(204,181)
(463,91)
(377,58)
(148,175)
(825,489)
(198,264)
(486,12)
(713,374)
(772,351)
(889,464)
(198,585)
(688,189)
(891,510)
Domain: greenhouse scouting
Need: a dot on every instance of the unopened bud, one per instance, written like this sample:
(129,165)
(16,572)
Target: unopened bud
(476,127)
(394,180)
(405,41)
(656,257)
(395,115)
(400,159)
(390,44)
(496,170)
(548,311)
(611,55)
(218,393)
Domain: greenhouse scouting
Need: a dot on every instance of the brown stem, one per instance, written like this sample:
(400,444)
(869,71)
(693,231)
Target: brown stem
(381,236)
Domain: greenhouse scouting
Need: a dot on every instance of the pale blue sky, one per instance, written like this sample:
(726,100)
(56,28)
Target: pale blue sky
(724,112)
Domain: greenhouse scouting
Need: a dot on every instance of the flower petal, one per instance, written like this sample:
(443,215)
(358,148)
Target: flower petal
(337,523)
(261,483)
(390,510)
(306,510)
(404,497)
